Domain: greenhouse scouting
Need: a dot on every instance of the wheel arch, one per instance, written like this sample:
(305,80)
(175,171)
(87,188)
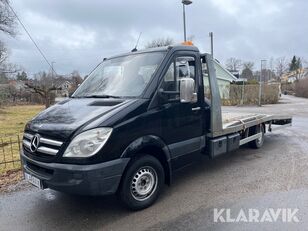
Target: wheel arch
(151,145)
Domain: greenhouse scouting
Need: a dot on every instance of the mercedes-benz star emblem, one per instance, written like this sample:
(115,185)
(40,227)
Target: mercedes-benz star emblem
(35,143)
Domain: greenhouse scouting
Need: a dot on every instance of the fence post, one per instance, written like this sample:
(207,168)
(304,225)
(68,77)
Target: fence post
(18,139)
(12,152)
(2,143)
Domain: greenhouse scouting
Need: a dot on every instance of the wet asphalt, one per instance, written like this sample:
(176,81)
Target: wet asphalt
(275,176)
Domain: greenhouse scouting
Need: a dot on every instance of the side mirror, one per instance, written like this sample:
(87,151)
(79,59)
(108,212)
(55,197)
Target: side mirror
(187,88)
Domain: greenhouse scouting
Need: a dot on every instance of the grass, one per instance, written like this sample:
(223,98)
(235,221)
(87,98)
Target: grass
(12,123)
(13,119)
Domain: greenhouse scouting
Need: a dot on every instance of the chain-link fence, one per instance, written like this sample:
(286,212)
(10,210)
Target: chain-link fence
(9,152)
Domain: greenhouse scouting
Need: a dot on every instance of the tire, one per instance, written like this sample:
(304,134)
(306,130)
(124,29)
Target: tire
(142,183)
(258,143)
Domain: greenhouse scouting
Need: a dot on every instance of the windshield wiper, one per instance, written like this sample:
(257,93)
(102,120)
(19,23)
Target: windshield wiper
(100,96)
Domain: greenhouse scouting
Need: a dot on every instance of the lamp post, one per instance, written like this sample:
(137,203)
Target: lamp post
(212,43)
(185,3)
(260,82)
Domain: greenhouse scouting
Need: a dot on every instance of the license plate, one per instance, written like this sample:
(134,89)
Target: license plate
(33,180)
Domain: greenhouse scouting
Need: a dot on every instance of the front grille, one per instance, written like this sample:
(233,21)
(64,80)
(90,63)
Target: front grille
(46,147)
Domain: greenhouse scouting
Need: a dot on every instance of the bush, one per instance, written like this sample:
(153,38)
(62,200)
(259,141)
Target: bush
(252,82)
(270,94)
(301,88)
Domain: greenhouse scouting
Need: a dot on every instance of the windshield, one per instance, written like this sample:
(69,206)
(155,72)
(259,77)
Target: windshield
(125,76)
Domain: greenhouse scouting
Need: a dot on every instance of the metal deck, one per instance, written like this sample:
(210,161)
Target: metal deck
(235,122)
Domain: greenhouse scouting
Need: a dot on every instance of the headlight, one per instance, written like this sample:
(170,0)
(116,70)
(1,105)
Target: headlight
(88,143)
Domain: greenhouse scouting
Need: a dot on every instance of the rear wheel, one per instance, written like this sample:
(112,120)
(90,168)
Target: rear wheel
(258,143)
(142,183)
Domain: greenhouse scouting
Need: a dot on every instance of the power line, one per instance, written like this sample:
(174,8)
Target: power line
(28,33)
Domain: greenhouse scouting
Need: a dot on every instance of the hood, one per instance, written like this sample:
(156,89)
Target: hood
(62,119)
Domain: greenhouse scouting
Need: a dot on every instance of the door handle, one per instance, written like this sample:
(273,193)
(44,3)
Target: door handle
(196,108)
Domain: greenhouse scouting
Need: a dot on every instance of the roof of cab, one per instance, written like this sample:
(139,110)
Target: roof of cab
(157,49)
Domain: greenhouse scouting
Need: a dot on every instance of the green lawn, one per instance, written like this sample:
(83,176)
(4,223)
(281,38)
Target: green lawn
(13,119)
(12,123)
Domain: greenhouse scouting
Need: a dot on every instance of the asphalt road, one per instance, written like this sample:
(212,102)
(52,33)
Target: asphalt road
(275,176)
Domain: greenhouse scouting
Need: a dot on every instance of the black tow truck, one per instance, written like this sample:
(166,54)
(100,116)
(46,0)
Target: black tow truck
(132,123)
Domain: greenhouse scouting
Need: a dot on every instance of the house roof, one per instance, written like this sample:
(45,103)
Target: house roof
(222,73)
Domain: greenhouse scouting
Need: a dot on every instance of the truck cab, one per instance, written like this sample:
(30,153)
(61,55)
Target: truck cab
(131,124)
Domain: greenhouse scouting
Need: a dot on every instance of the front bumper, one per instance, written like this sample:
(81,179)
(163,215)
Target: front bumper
(96,179)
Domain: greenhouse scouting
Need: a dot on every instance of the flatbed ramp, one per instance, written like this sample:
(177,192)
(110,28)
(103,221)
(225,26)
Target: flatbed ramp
(242,128)
(235,122)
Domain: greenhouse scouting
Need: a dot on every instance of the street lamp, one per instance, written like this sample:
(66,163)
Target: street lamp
(212,44)
(263,61)
(185,2)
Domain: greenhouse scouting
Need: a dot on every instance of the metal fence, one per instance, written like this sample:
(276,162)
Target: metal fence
(9,152)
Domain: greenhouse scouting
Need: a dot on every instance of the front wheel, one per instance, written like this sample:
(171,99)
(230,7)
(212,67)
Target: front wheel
(142,182)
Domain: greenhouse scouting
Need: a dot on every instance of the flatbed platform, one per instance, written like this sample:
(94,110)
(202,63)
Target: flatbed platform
(235,122)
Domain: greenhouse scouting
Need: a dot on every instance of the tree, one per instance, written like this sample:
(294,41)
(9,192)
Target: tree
(247,71)
(7,18)
(295,64)
(267,74)
(281,66)
(8,69)
(3,53)
(13,92)
(22,76)
(160,42)
(233,64)
(248,65)
(7,26)
(292,65)
(3,78)
(43,84)
(297,67)
(76,80)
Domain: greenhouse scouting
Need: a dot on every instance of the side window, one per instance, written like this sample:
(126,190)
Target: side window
(185,67)
(169,81)
(206,83)
(182,67)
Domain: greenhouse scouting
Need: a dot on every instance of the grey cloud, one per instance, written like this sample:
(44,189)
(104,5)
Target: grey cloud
(78,34)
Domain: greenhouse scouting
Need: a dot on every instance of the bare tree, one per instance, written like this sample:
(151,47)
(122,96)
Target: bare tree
(233,64)
(247,71)
(44,85)
(9,68)
(76,80)
(248,65)
(300,72)
(13,92)
(7,26)
(160,42)
(3,53)
(7,18)
(281,66)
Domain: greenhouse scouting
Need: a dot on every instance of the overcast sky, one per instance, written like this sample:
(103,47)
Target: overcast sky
(79,34)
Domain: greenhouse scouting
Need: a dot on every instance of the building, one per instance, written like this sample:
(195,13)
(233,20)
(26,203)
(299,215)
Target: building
(291,77)
(63,87)
(224,80)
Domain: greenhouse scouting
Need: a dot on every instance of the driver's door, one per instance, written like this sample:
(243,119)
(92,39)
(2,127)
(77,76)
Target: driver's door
(181,122)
